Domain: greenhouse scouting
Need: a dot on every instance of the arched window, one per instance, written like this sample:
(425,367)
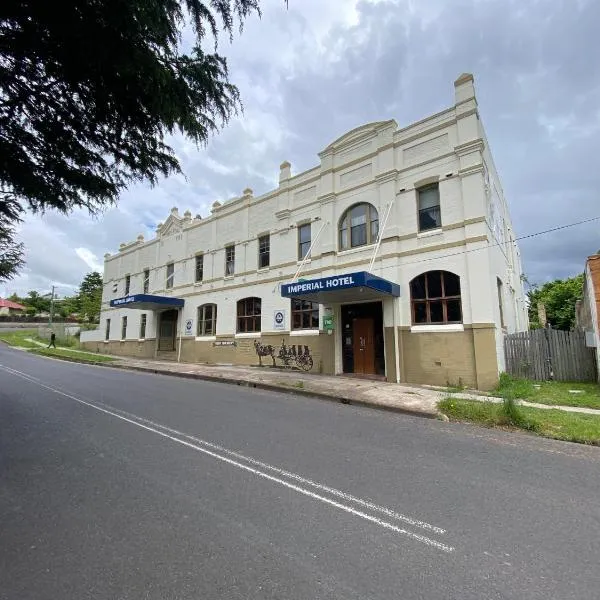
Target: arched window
(435,298)
(359,226)
(207,320)
(248,315)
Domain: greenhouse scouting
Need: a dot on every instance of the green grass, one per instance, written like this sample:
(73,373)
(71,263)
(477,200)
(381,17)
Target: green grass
(556,424)
(18,338)
(555,393)
(73,356)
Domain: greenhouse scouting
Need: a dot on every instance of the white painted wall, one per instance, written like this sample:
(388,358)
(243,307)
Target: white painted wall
(377,163)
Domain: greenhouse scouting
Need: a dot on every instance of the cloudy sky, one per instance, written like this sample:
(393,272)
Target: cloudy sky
(323,67)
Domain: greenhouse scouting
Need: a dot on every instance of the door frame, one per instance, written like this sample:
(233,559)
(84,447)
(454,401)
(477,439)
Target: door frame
(368,350)
(159,323)
(338,351)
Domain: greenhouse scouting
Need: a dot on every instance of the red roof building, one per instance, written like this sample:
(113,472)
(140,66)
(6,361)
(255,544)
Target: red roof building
(7,307)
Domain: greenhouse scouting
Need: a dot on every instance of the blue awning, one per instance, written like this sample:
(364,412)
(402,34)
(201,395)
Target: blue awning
(147,302)
(349,287)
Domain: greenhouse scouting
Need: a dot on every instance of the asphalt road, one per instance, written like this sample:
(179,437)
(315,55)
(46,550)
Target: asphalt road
(118,485)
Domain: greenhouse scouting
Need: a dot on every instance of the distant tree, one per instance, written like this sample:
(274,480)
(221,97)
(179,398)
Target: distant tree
(36,301)
(11,252)
(69,305)
(90,296)
(559,299)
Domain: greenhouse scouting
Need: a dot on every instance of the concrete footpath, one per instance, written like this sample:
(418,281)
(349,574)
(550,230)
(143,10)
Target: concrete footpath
(410,399)
(348,390)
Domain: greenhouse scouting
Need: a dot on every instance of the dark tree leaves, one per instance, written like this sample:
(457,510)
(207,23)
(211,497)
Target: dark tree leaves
(11,253)
(89,90)
(559,298)
(90,296)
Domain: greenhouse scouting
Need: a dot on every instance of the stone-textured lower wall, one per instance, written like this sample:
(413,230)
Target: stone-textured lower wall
(266,350)
(450,358)
(140,349)
(436,358)
(237,351)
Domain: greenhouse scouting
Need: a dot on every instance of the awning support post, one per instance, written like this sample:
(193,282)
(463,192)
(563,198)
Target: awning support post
(380,236)
(396,345)
(307,255)
(180,328)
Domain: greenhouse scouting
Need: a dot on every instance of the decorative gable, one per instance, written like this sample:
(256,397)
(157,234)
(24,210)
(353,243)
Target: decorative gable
(171,226)
(358,136)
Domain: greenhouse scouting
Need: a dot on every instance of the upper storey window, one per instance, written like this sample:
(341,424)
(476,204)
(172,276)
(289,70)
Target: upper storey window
(359,226)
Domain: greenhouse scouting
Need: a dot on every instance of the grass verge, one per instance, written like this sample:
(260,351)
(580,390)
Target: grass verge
(553,393)
(18,338)
(555,424)
(73,356)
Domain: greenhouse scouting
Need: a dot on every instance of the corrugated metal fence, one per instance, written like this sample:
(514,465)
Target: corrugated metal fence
(545,354)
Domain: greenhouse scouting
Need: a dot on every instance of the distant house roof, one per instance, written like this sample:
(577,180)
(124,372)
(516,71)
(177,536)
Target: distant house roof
(8,304)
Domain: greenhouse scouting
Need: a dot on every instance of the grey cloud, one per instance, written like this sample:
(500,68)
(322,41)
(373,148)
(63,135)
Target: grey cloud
(310,74)
(521,56)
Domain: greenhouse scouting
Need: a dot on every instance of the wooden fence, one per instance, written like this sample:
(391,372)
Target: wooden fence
(545,354)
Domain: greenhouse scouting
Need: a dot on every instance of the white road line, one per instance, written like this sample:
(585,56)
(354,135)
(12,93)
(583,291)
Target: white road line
(304,480)
(294,476)
(198,446)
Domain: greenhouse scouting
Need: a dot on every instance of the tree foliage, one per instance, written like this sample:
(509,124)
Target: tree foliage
(11,252)
(89,91)
(559,299)
(90,296)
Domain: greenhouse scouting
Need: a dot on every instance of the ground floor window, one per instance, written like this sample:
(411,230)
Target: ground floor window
(435,298)
(143,326)
(207,319)
(123,328)
(305,314)
(107,331)
(248,315)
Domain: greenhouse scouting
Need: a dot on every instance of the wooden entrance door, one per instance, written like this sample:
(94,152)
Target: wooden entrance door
(167,331)
(364,346)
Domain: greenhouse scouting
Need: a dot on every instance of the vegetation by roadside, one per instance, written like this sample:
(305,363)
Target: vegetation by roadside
(556,393)
(72,356)
(19,338)
(556,424)
(27,339)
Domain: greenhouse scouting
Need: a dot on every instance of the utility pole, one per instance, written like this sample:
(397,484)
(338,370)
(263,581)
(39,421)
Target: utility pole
(52,306)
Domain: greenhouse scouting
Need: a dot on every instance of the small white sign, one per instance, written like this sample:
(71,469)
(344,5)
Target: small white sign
(189,327)
(279,319)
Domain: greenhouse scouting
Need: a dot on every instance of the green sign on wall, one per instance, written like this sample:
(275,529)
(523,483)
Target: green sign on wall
(328,323)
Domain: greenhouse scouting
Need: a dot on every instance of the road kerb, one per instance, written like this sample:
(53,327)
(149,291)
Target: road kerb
(273,387)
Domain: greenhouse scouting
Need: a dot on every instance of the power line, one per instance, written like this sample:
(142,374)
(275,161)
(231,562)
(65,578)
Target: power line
(522,237)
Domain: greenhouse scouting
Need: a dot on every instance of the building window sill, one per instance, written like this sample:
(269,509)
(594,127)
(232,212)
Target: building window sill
(253,334)
(206,338)
(228,277)
(437,328)
(302,261)
(141,339)
(198,282)
(430,233)
(300,332)
(263,270)
(356,250)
